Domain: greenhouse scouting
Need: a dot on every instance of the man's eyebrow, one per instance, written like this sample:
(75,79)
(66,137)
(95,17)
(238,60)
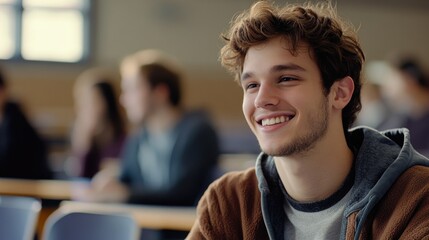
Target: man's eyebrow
(283,67)
(276,68)
(245,75)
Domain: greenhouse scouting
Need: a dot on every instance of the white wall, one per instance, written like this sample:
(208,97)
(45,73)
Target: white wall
(187,29)
(386,29)
(192,32)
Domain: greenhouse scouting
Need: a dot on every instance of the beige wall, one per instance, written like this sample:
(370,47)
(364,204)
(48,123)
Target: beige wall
(189,30)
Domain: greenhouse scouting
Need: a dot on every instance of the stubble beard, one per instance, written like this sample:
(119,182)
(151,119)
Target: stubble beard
(317,128)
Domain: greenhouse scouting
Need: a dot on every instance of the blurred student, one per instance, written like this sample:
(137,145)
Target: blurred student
(23,153)
(376,111)
(98,134)
(408,93)
(169,158)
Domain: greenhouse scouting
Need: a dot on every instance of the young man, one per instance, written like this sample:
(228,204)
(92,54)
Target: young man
(299,67)
(169,159)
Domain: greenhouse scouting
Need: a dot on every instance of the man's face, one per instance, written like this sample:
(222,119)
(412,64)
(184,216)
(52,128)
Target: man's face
(283,100)
(136,97)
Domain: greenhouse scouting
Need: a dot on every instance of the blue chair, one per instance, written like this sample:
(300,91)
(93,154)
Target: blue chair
(18,217)
(73,225)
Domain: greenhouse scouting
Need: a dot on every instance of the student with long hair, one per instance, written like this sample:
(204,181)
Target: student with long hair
(98,133)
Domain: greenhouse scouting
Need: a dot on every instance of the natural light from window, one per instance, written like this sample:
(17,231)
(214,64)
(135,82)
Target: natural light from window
(53,3)
(44,30)
(7,31)
(52,36)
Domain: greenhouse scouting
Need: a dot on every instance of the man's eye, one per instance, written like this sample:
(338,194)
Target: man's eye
(251,85)
(287,79)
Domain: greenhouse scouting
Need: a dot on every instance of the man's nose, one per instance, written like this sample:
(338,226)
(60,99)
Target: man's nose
(266,96)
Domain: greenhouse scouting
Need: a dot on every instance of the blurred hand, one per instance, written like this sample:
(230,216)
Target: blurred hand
(104,187)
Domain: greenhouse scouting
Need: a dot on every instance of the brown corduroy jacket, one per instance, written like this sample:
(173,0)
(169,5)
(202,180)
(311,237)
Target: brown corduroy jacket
(389,198)
(231,209)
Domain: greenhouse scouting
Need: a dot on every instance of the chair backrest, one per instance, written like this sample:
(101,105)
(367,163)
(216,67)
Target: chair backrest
(18,217)
(72,225)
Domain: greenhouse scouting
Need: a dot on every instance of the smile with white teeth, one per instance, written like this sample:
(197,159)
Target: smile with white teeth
(275,120)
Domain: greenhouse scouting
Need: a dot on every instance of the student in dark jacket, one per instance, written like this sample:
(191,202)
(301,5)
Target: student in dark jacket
(23,153)
(173,152)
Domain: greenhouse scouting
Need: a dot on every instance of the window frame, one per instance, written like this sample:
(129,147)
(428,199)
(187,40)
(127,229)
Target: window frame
(18,9)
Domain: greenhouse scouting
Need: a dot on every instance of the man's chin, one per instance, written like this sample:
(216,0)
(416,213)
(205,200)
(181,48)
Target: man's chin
(278,151)
(270,151)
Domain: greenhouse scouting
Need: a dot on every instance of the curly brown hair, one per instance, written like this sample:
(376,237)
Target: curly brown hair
(332,42)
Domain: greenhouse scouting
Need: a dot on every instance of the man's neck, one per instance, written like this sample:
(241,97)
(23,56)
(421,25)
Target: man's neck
(319,173)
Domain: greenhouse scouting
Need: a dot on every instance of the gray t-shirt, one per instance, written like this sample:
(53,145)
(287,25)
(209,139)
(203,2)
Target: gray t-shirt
(316,220)
(325,224)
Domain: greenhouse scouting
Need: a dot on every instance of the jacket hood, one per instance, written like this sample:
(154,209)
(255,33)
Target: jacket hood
(381,158)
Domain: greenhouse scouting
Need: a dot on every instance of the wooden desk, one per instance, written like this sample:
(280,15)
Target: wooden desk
(44,189)
(153,217)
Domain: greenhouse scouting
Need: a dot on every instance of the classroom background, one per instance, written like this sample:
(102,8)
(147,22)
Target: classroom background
(189,30)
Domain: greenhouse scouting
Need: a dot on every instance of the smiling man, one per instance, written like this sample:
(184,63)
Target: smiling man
(299,67)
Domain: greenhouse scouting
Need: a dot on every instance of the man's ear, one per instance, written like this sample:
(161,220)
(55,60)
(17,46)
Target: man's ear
(342,91)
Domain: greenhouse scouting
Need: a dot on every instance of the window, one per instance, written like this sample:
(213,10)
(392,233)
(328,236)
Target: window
(44,30)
